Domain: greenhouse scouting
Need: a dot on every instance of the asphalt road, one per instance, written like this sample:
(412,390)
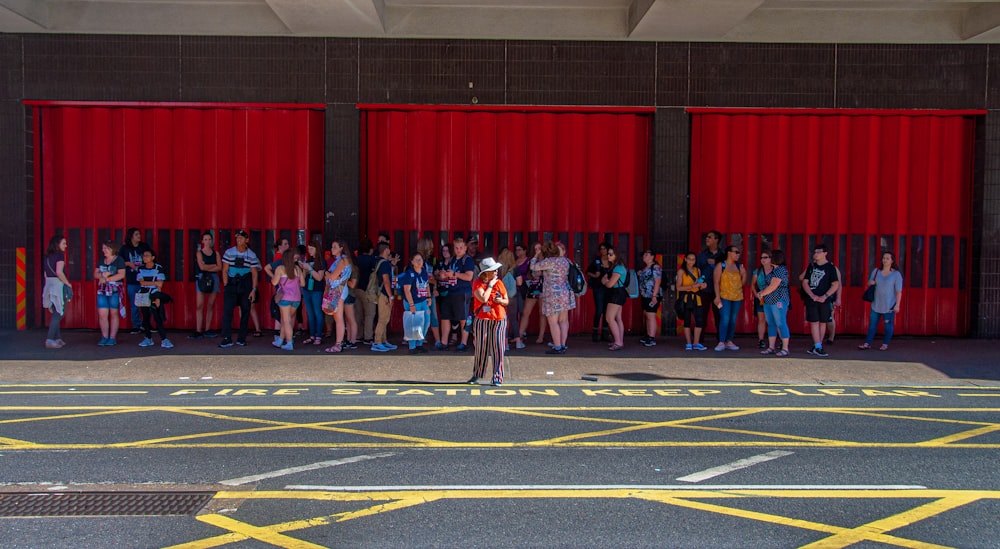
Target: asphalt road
(527,464)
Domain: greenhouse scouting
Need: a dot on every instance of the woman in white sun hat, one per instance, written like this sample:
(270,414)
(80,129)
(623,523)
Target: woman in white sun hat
(489,326)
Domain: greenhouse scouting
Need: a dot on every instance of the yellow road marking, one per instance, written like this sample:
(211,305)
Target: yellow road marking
(267,535)
(649,425)
(18,443)
(236,536)
(75,416)
(876,531)
(67,392)
(947,440)
(580,439)
(867,531)
(911,418)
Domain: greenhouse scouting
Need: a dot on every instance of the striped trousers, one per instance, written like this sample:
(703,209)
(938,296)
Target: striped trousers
(490,338)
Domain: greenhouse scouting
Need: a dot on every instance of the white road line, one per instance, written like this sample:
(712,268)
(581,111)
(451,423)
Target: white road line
(736,465)
(310,467)
(494,487)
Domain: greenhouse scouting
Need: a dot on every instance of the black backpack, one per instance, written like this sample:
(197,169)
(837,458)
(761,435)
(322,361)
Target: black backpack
(577,282)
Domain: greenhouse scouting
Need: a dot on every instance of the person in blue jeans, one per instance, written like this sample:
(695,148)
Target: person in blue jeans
(776,298)
(888,284)
(312,293)
(730,278)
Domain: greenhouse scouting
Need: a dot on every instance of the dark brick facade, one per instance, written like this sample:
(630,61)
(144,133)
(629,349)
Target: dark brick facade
(343,72)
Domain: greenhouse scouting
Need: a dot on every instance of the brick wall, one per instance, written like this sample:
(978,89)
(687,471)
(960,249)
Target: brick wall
(343,72)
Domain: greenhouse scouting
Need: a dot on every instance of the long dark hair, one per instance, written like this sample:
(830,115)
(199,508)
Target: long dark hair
(319,262)
(894,266)
(618,258)
(53,247)
(128,235)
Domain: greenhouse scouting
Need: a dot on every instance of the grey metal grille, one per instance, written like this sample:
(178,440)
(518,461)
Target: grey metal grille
(80,504)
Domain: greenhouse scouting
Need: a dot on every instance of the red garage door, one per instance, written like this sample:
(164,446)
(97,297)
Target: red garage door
(515,175)
(859,181)
(174,170)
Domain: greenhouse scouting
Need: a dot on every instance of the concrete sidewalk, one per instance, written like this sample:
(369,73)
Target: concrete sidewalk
(941,361)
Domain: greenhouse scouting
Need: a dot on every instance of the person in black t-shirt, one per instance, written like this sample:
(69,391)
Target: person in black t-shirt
(821,285)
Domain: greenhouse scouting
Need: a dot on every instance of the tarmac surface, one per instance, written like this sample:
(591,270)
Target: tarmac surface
(944,361)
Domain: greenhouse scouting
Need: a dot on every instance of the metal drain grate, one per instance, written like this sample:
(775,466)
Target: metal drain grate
(82,504)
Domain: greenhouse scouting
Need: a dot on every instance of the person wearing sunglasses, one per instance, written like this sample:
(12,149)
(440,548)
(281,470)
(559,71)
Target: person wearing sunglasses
(730,278)
(775,298)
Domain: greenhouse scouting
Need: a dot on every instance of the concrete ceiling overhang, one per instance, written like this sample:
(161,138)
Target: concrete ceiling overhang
(841,21)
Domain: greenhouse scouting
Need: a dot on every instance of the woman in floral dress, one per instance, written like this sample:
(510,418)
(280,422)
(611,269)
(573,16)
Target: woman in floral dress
(557,297)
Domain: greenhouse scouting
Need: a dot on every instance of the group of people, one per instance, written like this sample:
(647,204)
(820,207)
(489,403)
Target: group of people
(348,298)
(715,280)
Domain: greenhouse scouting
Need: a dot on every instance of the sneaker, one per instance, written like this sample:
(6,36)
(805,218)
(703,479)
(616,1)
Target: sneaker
(462,347)
(440,346)
(563,349)
(51,344)
(732,347)
(241,343)
(650,342)
(720,347)
(349,345)
(211,333)
(496,383)
(287,347)
(277,342)
(136,331)
(811,351)
(473,381)
(166,344)
(818,351)
(520,345)
(226,343)
(761,344)
(421,350)
(553,351)
(700,347)
(103,342)
(196,335)
(379,348)
(111,342)
(146,342)
(689,347)
(368,341)
(389,346)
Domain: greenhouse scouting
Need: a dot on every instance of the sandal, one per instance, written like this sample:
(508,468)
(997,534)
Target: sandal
(884,347)
(308,340)
(258,333)
(864,346)
(317,341)
(768,351)
(334,349)
(616,347)
(782,352)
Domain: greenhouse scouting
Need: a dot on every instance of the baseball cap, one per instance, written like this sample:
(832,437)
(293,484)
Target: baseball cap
(243,233)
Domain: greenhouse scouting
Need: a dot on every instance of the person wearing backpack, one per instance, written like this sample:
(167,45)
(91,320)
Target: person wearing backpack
(617,294)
